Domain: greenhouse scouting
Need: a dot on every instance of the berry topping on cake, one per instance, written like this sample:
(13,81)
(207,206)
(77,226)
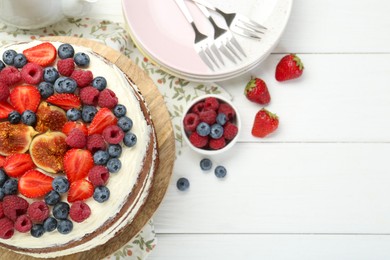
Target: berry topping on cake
(99,83)
(68,126)
(14,206)
(50,224)
(4,92)
(25,97)
(79,211)
(65,51)
(81,59)
(80,190)
(42,54)
(34,184)
(96,142)
(60,184)
(130,139)
(65,101)
(89,96)
(66,67)
(77,164)
(107,98)
(65,226)
(23,224)
(76,139)
(17,164)
(5,109)
(38,211)
(6,228)
(61,210)
(20,141)
(103,118)
(10,76)
(83,78)
(101,194)
(9,56)
(113,134)
(32,73)
(125,123)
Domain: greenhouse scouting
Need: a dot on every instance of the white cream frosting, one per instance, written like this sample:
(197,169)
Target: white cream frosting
(119,184)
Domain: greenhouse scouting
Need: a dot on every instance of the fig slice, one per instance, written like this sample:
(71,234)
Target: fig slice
(47,151)
(15,138)
(50,117)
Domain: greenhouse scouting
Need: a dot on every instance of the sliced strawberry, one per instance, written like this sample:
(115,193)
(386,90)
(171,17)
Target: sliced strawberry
(25,97)
(77,163)
(70,125)
(42,54)
(80,190)
(17,164)
(65,101)
(34,184)
(2,160)
(103,118)
(5,109)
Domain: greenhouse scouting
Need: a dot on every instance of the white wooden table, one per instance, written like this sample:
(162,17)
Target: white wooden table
(320,187)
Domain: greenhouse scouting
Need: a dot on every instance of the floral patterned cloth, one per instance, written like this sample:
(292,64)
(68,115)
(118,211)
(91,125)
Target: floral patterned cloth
(176,92)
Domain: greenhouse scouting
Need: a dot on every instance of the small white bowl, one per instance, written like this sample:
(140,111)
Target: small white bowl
(236,121)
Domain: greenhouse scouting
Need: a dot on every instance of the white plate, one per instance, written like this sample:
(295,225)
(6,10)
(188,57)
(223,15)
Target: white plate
(162,33)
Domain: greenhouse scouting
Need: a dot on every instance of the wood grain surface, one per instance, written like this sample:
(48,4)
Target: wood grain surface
(166,147)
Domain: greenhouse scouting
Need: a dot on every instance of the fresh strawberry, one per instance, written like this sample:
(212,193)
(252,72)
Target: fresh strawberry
(25,97)
(17,164)
(42,54)
(77,164)
(65,101)
(103,118)
(289,67)
(256,91)
(80,190)
(4,92)
(265,123)
(5,109)
(2,161)
(74,124)
(34,184)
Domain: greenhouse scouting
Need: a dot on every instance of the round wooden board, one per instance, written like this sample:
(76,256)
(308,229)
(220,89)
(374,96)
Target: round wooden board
(166,148)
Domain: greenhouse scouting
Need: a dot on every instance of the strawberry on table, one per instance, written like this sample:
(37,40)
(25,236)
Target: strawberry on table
(103,118)
(256,91)
(77,164)
(65,101)
(289,67)
(80,190)
(42,54)
(25,97)
(265,123)
(34,184)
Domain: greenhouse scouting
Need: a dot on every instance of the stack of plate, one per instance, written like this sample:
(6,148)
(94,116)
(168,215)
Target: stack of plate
(161,33)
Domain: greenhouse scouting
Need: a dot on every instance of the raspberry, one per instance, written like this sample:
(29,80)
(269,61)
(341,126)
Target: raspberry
(6,228)
(211,103)
(190,122)
(98,175)
(107,98)
(217,144)
(113,134)
(76,139)
(82,77)
(1,210)
(4,92)
(208,116)
(89,96)
(38,211)
(198,107)
(227,110)
(95,143)
(66,67)
(79,211)
(198,141)
(23,224)
(229,131)
(32,73)
(10,75)
(14,206)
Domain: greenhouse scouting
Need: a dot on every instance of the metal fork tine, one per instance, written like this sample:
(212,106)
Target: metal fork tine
(250,22)
(210,55)
(217,53)
(232,50)
(237,45)
(249,26)
(247,32)
(204,58)
(226,52)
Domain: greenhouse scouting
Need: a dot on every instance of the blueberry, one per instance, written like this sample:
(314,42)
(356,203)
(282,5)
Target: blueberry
(221,119)
(99,83)
(65,51)
(65,226)
(81,59)
(8,57)
(182,184)
(37,230)
(60,184)
(65,85)
(61,210)
(130,139)
(58,84)
(73,114)
(216,131)
(10,187)
(50,74)
(101,194)
(88,113)
(120,110)
(29,118)
(14,117)
(3,177)
(20,60)
(114,165)
(206,164)
(49,224)
(114,150)
(2,65)
(125,123)
(46,89)
(220,171)
(52,198)
(101,157)
(203,129)
(2,194)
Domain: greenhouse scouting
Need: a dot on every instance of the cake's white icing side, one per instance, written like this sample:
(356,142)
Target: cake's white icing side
(119,183)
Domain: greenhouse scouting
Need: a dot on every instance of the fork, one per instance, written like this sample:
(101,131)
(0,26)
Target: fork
(238,23)
(201,41)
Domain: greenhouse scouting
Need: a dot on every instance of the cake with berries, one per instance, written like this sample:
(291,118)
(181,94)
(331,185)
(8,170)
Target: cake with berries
(78,149)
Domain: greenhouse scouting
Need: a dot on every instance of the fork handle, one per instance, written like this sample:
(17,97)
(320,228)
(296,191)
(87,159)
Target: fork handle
(185,11)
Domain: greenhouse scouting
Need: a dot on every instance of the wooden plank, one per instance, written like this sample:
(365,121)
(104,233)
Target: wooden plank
(275,247)
(282,188)
(339,98)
